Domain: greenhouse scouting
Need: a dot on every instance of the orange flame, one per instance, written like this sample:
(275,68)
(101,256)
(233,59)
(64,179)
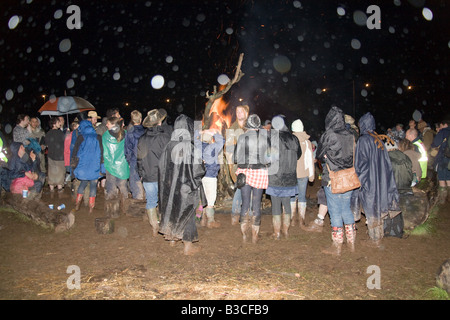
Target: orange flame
(219,116)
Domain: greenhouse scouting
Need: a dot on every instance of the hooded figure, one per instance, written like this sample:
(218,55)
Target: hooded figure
(335,151)
(86,161)
(378,194)
(181,172)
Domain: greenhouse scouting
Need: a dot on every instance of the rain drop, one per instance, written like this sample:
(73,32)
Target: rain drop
(399,90)
(316,112)
(8,128)
(157,82)
(229,31)
(169,59)
(223,79)
(364,92)
(297,4)
(341,11)
(364,60)
(58,14)
(171,84)
(13,22)
(356,44)
(427,14)
(9,94)
(282,64)
(70,83)
(405,82)
(201,17)
(360,18)
(65,45)
(116,76)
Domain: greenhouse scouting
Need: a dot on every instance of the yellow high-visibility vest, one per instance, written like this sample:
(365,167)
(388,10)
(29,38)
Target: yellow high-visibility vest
(423,161)
(2,153)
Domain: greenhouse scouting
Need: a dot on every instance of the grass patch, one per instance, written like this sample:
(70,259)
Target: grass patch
(437,293)
(428,227)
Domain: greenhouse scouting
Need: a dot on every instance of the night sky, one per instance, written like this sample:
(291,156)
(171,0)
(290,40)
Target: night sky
(300,57)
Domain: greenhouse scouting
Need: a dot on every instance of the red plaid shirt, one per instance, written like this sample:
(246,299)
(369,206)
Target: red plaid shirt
(256,178)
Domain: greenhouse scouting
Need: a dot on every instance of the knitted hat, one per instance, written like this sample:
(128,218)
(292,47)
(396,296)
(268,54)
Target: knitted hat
(297,126)
(278,123)
(253,122)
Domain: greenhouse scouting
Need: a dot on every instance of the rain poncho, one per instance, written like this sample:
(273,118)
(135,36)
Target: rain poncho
(181,172)
(378,194)
(87,150)
(114,156)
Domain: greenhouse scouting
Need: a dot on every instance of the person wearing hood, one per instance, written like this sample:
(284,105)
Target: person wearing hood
(442,160)
(305,171)
(24,171)
(148,152)
(181,171)
(252,160)
(285,151)
(86,160)
(116,165)
(378,195)
(38,134)
(134,132)
(335,151)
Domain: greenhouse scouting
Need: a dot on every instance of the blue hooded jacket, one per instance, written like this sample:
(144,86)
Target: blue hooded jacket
(88,151)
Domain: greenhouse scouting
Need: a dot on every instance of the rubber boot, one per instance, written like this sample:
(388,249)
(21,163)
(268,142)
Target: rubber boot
(301,214)
(234,219)
(255,234)
(204,219)
(190,249)
(210,215)
(153,219)
(245,225)
(442,195)
(124,205)
(315,226)
(286,223)
(276,221)
(337,236)
(91,204)
(294,212)
(350,234)
(78,201)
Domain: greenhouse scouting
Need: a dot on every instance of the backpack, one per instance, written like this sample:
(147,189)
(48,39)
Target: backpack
(393,227)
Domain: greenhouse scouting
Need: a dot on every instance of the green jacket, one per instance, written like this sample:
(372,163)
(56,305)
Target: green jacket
(114,156)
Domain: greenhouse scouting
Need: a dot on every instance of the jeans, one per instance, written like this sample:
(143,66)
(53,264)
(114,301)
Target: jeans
(253,195)
(136,189)
(237,202)
(339,207)
(151,194)
(302,185)
(92,187)
(112,184)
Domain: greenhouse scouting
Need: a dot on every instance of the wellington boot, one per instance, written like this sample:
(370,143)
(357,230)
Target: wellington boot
(245,225)
(204,219)
(78,201)
(91,204)
(212,223)
(442,195)
(286,224)
(276,221)
(350,234)
(301,214)
(255,234)
(153,219)
(190,249)
(234,219)
(335,249)
(294,211)
(337,236)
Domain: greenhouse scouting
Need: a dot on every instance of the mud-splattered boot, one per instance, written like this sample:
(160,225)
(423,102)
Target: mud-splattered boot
(78,201)
(153,219)
(294,212)
(286,224)
(350,234)
(276,221)
(212,223)
(337,235)
(91,204)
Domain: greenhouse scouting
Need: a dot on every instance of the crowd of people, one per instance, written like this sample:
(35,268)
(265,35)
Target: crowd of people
(175,169)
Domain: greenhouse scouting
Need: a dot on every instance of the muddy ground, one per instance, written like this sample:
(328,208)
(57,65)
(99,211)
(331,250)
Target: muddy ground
(132,264)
